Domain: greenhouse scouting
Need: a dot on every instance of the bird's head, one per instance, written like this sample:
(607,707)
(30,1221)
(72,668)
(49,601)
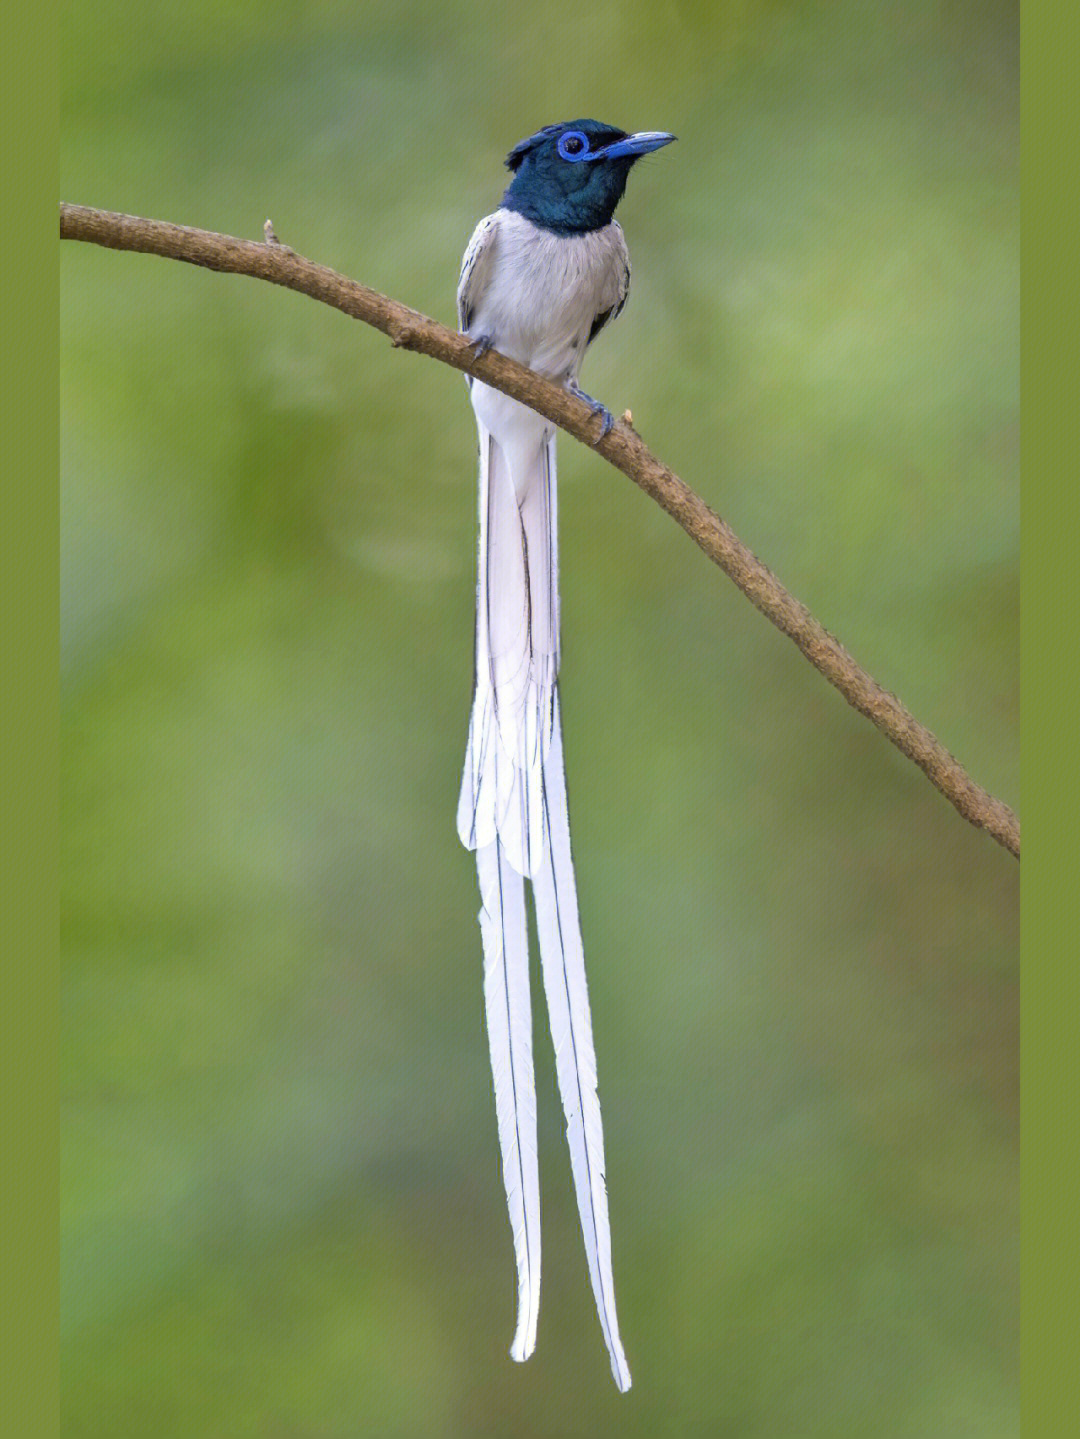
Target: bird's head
(569,178)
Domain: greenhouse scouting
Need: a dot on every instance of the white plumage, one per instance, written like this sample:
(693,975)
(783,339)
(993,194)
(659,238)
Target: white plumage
(562,956)
(509,1023)
(538,297)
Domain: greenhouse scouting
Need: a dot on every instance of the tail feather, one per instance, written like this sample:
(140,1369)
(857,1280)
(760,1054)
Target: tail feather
(562,957)
(516,656)
(512,811)
(509,1026)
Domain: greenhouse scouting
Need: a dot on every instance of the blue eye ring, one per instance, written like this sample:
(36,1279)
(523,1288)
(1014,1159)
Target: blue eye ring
(574,146)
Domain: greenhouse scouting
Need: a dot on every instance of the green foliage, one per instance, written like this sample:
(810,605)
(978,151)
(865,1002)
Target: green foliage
(283,1209)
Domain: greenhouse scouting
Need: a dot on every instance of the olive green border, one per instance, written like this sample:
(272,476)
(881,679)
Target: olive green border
(29,1269)
(1050,1037)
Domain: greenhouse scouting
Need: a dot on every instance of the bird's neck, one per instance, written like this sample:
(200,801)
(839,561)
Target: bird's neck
(561,214)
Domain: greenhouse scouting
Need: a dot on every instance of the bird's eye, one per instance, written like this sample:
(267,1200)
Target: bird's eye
(573,145)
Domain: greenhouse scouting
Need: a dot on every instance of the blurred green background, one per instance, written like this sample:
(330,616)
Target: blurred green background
(283,1208)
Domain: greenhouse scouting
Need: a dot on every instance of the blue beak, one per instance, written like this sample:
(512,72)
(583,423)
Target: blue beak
(640,144)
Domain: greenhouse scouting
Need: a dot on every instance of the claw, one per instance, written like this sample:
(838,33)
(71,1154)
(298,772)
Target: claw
(607,419)
(481,345)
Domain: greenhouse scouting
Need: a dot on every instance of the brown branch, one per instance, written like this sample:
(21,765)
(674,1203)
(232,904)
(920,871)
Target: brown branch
(410,330)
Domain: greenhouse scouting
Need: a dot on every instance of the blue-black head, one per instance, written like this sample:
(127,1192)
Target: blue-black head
(569,178)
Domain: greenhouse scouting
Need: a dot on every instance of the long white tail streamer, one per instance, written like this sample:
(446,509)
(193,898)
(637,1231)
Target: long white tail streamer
(562,956)
(513,812)
(509,1026)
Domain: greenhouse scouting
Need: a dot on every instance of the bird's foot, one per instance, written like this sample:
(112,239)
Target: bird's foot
(480,346)
(607,419)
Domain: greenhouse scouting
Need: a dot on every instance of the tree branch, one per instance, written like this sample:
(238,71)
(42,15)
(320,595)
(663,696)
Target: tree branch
(408,329)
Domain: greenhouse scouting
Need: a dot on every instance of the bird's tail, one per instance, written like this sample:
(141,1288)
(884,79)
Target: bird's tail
(509,1025)
(562,957)
(513,812)
(517,659)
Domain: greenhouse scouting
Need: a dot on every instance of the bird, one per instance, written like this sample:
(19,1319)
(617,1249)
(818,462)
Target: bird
(542,276)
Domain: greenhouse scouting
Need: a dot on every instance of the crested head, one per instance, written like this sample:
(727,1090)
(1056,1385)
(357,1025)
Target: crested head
(569,178)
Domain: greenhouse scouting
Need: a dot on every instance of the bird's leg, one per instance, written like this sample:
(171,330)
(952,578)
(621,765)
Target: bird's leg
(607,419)
(479,346)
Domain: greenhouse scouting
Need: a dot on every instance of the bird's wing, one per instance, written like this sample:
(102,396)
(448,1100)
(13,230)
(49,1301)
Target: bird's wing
(475,268)
(617,288)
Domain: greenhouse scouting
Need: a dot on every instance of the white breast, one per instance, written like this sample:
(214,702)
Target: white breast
(544,291)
